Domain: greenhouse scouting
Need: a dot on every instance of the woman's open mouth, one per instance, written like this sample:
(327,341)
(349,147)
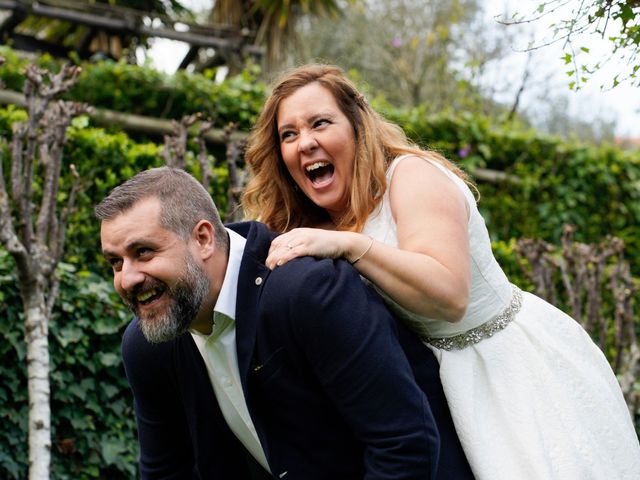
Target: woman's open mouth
(319,172)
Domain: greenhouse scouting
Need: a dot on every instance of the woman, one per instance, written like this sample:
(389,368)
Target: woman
(530,393)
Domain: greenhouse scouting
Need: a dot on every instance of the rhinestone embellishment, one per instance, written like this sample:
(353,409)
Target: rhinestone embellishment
(486,330)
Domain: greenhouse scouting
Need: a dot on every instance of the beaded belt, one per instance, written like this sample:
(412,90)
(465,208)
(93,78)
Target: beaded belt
(486,330)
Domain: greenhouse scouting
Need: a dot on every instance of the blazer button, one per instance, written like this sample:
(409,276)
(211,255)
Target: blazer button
(258,281)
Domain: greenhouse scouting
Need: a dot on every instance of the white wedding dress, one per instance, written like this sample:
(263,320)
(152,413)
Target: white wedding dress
(531,395)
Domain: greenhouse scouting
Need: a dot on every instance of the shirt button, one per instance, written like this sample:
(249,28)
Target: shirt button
(228,382)
(258,281)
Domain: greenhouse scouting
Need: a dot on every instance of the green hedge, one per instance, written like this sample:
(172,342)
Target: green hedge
(145,91)
(93,427)
(93,420)
(595,188)
(103,161)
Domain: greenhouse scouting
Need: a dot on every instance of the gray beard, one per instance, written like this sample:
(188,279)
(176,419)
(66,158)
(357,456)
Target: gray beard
(186,298)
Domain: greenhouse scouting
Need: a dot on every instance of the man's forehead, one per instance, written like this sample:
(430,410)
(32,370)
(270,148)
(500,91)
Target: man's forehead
(147,208)
(138,224)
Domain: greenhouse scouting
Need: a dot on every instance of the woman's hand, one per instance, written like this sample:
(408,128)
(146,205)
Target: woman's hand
(315,242)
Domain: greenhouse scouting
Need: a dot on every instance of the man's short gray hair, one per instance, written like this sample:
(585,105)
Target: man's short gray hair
(184,201)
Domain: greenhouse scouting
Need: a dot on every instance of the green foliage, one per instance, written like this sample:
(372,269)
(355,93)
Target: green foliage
(103,160)
(122,87)
(93,427)
(410,47)
(145,91)
(617,21)
(595,188)
(12,71)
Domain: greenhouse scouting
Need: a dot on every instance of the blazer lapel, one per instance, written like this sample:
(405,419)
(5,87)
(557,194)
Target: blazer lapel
(252,276)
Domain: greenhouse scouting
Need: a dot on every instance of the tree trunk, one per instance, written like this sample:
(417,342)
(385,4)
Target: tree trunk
(37,340)
(36,147)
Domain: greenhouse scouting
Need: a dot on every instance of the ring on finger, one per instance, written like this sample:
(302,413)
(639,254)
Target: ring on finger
(289,246)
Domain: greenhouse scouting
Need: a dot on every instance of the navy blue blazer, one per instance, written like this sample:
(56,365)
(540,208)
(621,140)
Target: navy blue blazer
(335,387)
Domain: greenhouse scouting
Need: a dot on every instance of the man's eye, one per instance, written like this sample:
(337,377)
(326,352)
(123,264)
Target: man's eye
(143,251)
(115,263)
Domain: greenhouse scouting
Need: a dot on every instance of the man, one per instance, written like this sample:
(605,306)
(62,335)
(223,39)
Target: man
(242,372)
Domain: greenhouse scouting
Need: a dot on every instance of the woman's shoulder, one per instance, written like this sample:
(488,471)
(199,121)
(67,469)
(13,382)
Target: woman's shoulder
(426,177)
(409,165)
(397,161)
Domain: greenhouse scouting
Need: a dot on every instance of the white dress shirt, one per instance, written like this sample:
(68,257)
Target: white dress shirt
(218,349)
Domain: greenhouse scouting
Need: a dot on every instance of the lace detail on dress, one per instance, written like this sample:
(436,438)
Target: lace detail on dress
(483,331)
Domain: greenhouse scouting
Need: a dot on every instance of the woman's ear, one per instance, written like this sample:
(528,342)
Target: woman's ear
(204,237)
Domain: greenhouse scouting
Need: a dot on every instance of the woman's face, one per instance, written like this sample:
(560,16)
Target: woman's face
(318,147)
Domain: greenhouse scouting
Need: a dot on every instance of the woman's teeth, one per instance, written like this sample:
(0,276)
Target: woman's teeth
(319,171)
(315,166)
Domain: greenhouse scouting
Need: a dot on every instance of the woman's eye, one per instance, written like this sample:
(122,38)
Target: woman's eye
(286,135)
(321,122)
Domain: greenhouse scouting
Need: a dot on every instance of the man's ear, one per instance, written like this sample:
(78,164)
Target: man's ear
(204,238)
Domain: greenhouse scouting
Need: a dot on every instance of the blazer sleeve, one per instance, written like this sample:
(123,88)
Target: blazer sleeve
(165,446)
(350,341)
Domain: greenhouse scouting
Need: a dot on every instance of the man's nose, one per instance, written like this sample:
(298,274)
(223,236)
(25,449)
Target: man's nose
(130,276)
(308,142)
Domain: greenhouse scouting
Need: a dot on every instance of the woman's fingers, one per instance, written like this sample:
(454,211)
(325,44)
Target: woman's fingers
(304,241)
(282,252)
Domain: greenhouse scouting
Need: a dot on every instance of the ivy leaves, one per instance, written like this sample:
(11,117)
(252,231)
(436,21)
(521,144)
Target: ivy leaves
(92,414)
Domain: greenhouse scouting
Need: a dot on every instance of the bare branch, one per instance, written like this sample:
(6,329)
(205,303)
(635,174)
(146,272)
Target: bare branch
(54,126)
(8,236)
(236,180)
(56,84)
(54,287)
(58,245)
(175,144)
(523,21)
(19,130)
(523,84)
(203,156)
(584,270)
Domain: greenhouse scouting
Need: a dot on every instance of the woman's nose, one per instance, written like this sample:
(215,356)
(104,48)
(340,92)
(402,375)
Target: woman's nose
(308,142)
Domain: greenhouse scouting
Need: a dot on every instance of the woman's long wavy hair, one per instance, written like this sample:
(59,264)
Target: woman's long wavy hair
(272,195)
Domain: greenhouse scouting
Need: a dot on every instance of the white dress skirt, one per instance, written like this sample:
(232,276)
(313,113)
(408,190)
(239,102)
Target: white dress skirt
(531,395)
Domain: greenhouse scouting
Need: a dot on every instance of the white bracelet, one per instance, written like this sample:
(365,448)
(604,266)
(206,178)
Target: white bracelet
(363,253)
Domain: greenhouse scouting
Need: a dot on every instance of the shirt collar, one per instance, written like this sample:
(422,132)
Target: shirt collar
(226,303)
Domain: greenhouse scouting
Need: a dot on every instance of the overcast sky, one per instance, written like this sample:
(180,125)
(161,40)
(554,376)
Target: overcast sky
(621,103)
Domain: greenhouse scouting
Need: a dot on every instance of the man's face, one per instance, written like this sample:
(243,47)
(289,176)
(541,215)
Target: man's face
(154,271)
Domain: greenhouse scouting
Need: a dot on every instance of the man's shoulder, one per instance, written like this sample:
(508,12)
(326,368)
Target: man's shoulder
(320,297)
(313,274)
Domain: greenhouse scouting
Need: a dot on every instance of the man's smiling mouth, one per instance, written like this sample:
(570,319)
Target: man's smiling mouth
(149,296)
